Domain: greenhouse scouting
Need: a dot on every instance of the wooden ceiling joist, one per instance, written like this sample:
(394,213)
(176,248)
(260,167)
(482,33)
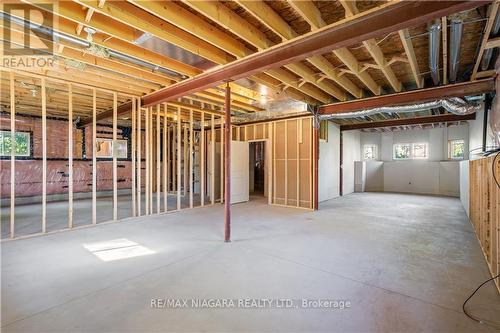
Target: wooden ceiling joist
(221,14)
(267,16)
(493,9)
(308,10)
(387,18)
(408,97)
(404,35)
(373,48)
(202,29)
(157,18)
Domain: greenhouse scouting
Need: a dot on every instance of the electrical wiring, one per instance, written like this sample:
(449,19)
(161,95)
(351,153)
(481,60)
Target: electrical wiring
(482,321)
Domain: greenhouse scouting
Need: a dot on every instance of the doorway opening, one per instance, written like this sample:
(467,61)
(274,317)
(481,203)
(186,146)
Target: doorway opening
(257,168)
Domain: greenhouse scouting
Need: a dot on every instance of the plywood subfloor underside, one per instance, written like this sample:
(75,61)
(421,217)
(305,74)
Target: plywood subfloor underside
(405,262)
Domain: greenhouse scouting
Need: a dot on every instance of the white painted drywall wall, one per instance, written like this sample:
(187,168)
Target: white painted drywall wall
(351,152)
(329,164)
(435,175)
(374,176)
(359,176)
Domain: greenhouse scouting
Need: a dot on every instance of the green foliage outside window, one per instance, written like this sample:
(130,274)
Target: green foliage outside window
(402,151)
(456,149)
(22,143)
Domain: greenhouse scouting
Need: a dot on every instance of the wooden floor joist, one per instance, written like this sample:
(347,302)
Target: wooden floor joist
(387,18)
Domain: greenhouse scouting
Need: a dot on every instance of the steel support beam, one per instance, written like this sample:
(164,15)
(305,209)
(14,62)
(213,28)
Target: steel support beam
(380,21)
(443,118)
(420,95)
(227,166)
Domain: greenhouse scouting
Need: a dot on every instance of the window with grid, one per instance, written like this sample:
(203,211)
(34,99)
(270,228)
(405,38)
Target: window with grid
(456,149)
(22,143)
(370,152)
(409,151)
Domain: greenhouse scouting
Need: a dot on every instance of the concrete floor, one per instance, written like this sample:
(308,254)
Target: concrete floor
(405,262)
(28,216)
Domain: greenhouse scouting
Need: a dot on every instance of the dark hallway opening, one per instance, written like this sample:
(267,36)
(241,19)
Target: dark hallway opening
(256,168)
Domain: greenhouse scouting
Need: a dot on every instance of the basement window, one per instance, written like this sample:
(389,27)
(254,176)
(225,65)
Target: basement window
(105,148)
(420,151)
(409,151)
(370,152)
(22,143)
(402,151)
(456,149)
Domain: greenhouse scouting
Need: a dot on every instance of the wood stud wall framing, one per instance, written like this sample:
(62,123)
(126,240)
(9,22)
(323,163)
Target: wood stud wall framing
(484,210)
(290,159)
(46,88)
(164,157)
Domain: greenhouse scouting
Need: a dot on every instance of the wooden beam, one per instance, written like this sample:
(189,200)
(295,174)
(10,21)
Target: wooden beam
(70,156)
(185,163)
(404,35)
(230,20)
(420,95)
(222,160)
(221,14)
(492,43)
(308,10)
(178,158)
(442,118)
(158,164)
(493,9)
(139,157)
(134,157)
(488,73)
(44,155)
(190,158)
(12,154)
(115,161)
(372,47)
(128,18)
(151,160)
(94,157)
(183,19)
(147,159)
(389,17)
(444,29)
(212,160)
(354,66)
(109,39)
(165,159)
(227,166)
(267,16)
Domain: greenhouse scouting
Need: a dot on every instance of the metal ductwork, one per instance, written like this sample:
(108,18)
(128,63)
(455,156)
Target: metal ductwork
(488,53)
(434,44)
(86,44)
(453,105)
(456,28)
